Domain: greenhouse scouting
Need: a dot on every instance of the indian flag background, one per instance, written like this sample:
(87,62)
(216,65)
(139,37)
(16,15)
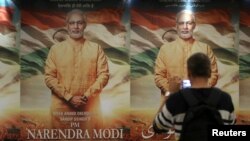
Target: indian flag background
(153,24)
(9,69)
(43,25)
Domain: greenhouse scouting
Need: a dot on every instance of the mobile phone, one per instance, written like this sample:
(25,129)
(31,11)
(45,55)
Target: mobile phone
(185,84)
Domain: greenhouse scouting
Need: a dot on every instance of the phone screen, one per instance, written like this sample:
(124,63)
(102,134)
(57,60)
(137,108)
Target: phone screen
(185,84)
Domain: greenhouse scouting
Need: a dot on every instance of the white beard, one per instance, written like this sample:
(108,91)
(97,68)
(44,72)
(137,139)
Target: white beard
(76,34)
(185,35)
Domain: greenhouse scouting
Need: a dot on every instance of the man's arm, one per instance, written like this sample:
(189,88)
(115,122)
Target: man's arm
(161,77)
(214,68)
(102,75)
(51,79)
(163,122)
(232,116)
(231,119)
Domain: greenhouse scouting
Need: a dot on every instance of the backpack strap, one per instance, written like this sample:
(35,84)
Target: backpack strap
(189,97)
(214,97)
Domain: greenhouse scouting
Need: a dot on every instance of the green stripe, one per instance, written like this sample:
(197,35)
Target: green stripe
(10,53)
(244,62)
(118,55)
(33,63)
(143,63)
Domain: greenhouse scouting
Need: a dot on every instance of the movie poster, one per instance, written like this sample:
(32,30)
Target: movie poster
(244,54)
(9,70)
(46,111)
(153,23)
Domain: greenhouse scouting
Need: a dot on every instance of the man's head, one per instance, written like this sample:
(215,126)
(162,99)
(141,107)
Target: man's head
(76,23)
(185,24)
(198,65)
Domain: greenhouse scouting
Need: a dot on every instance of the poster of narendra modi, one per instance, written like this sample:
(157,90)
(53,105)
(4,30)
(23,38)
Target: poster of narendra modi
(74,70)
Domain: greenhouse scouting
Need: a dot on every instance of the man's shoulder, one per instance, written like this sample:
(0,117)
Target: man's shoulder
(176,103)
(177,96)
(224,94)
(225,102)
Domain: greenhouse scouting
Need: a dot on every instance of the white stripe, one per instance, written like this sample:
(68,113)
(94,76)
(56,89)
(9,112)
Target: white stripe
(8,40)
(225,115)
(244,49)
(232,117)
(138,44)
(100,33)
(159,125)
(179,117)
(36,39)
(164,121)
(178,127)
(147,41)
(167,114)
(209,33)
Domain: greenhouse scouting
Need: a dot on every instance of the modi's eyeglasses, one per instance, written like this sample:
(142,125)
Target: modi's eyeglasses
(182,23)
(76,22)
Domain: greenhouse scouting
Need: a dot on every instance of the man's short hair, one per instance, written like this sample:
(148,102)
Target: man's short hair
(198,65)
(76,11)
(185,12)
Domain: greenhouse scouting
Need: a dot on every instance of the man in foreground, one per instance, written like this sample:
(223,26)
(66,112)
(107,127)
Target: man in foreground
(174,111)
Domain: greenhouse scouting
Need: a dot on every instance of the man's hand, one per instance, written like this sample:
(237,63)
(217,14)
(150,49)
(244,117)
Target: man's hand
(77,101)
(85,99)
(174,84)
